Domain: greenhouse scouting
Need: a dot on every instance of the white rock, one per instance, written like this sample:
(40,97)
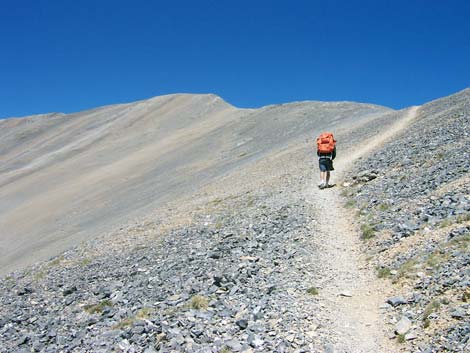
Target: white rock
(346,293)
(403,326)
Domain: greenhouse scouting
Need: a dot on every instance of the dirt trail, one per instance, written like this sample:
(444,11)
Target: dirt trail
(349,289)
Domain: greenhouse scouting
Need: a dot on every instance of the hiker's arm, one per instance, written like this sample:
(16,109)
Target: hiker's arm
(334,153)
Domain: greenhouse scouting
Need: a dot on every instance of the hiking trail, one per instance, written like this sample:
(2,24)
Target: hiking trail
(349,289)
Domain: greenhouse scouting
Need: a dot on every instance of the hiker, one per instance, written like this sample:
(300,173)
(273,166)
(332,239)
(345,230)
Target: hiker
(326,152)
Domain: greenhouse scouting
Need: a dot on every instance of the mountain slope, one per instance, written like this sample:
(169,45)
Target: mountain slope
(65,178)
(413,195)
(256,258)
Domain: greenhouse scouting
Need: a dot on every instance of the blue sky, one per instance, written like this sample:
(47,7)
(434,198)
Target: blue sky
(66,56)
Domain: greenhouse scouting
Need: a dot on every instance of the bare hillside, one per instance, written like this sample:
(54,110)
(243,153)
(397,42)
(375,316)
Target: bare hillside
(66,178)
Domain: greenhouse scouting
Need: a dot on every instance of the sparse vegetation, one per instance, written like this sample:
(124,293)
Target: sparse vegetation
(454,220)
(199,302)
(383,206)
(216,201)
(367,231)
(430,308)
(446,222)
(435,259)
(401,338)
(225,349)
(461,243)
(351,203)
(97,308)
(124,323)
(440,155)
(85,262)
(466,296)
(56,261)
(407,268)
(39,275)
(142,314)
(383,272)
(463,218)
(312,291)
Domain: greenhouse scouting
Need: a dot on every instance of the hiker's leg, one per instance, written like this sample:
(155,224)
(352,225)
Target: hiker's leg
(322,176)
(327,178)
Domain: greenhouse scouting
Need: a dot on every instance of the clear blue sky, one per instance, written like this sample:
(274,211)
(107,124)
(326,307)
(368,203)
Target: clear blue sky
(66,56)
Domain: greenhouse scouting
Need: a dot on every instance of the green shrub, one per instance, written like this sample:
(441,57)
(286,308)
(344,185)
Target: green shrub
(312,291)
(367,231)
(384,207)
(383,272)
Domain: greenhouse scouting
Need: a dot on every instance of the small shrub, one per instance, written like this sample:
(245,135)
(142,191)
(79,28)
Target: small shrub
(401,338)
(446,222)
(463,218)
(367,231)
(142,314)
(39,275)
(124,323)
(407,268)
(85,262)
(454,220)
(216,201)
(351,203)
(198,302)
(56,261)
(97,308)
(384,272)
(462,243)
(466,296)
(312,291)
(430,308)
(434,259)
(225,349)
(384,207)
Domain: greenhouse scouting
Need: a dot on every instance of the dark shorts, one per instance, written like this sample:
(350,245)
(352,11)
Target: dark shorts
(325,164)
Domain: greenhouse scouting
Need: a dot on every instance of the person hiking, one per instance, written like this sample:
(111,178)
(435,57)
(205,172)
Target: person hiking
(326,152)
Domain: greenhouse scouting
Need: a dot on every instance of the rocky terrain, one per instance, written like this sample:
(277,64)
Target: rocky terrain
(413,201)
(260,260)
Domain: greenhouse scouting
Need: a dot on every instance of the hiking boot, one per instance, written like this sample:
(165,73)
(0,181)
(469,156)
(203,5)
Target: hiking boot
(322,185)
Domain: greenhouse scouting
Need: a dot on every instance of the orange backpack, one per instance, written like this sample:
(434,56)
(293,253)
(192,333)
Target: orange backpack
(326,143)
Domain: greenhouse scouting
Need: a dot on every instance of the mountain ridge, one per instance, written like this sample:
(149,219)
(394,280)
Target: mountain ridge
(176,95)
